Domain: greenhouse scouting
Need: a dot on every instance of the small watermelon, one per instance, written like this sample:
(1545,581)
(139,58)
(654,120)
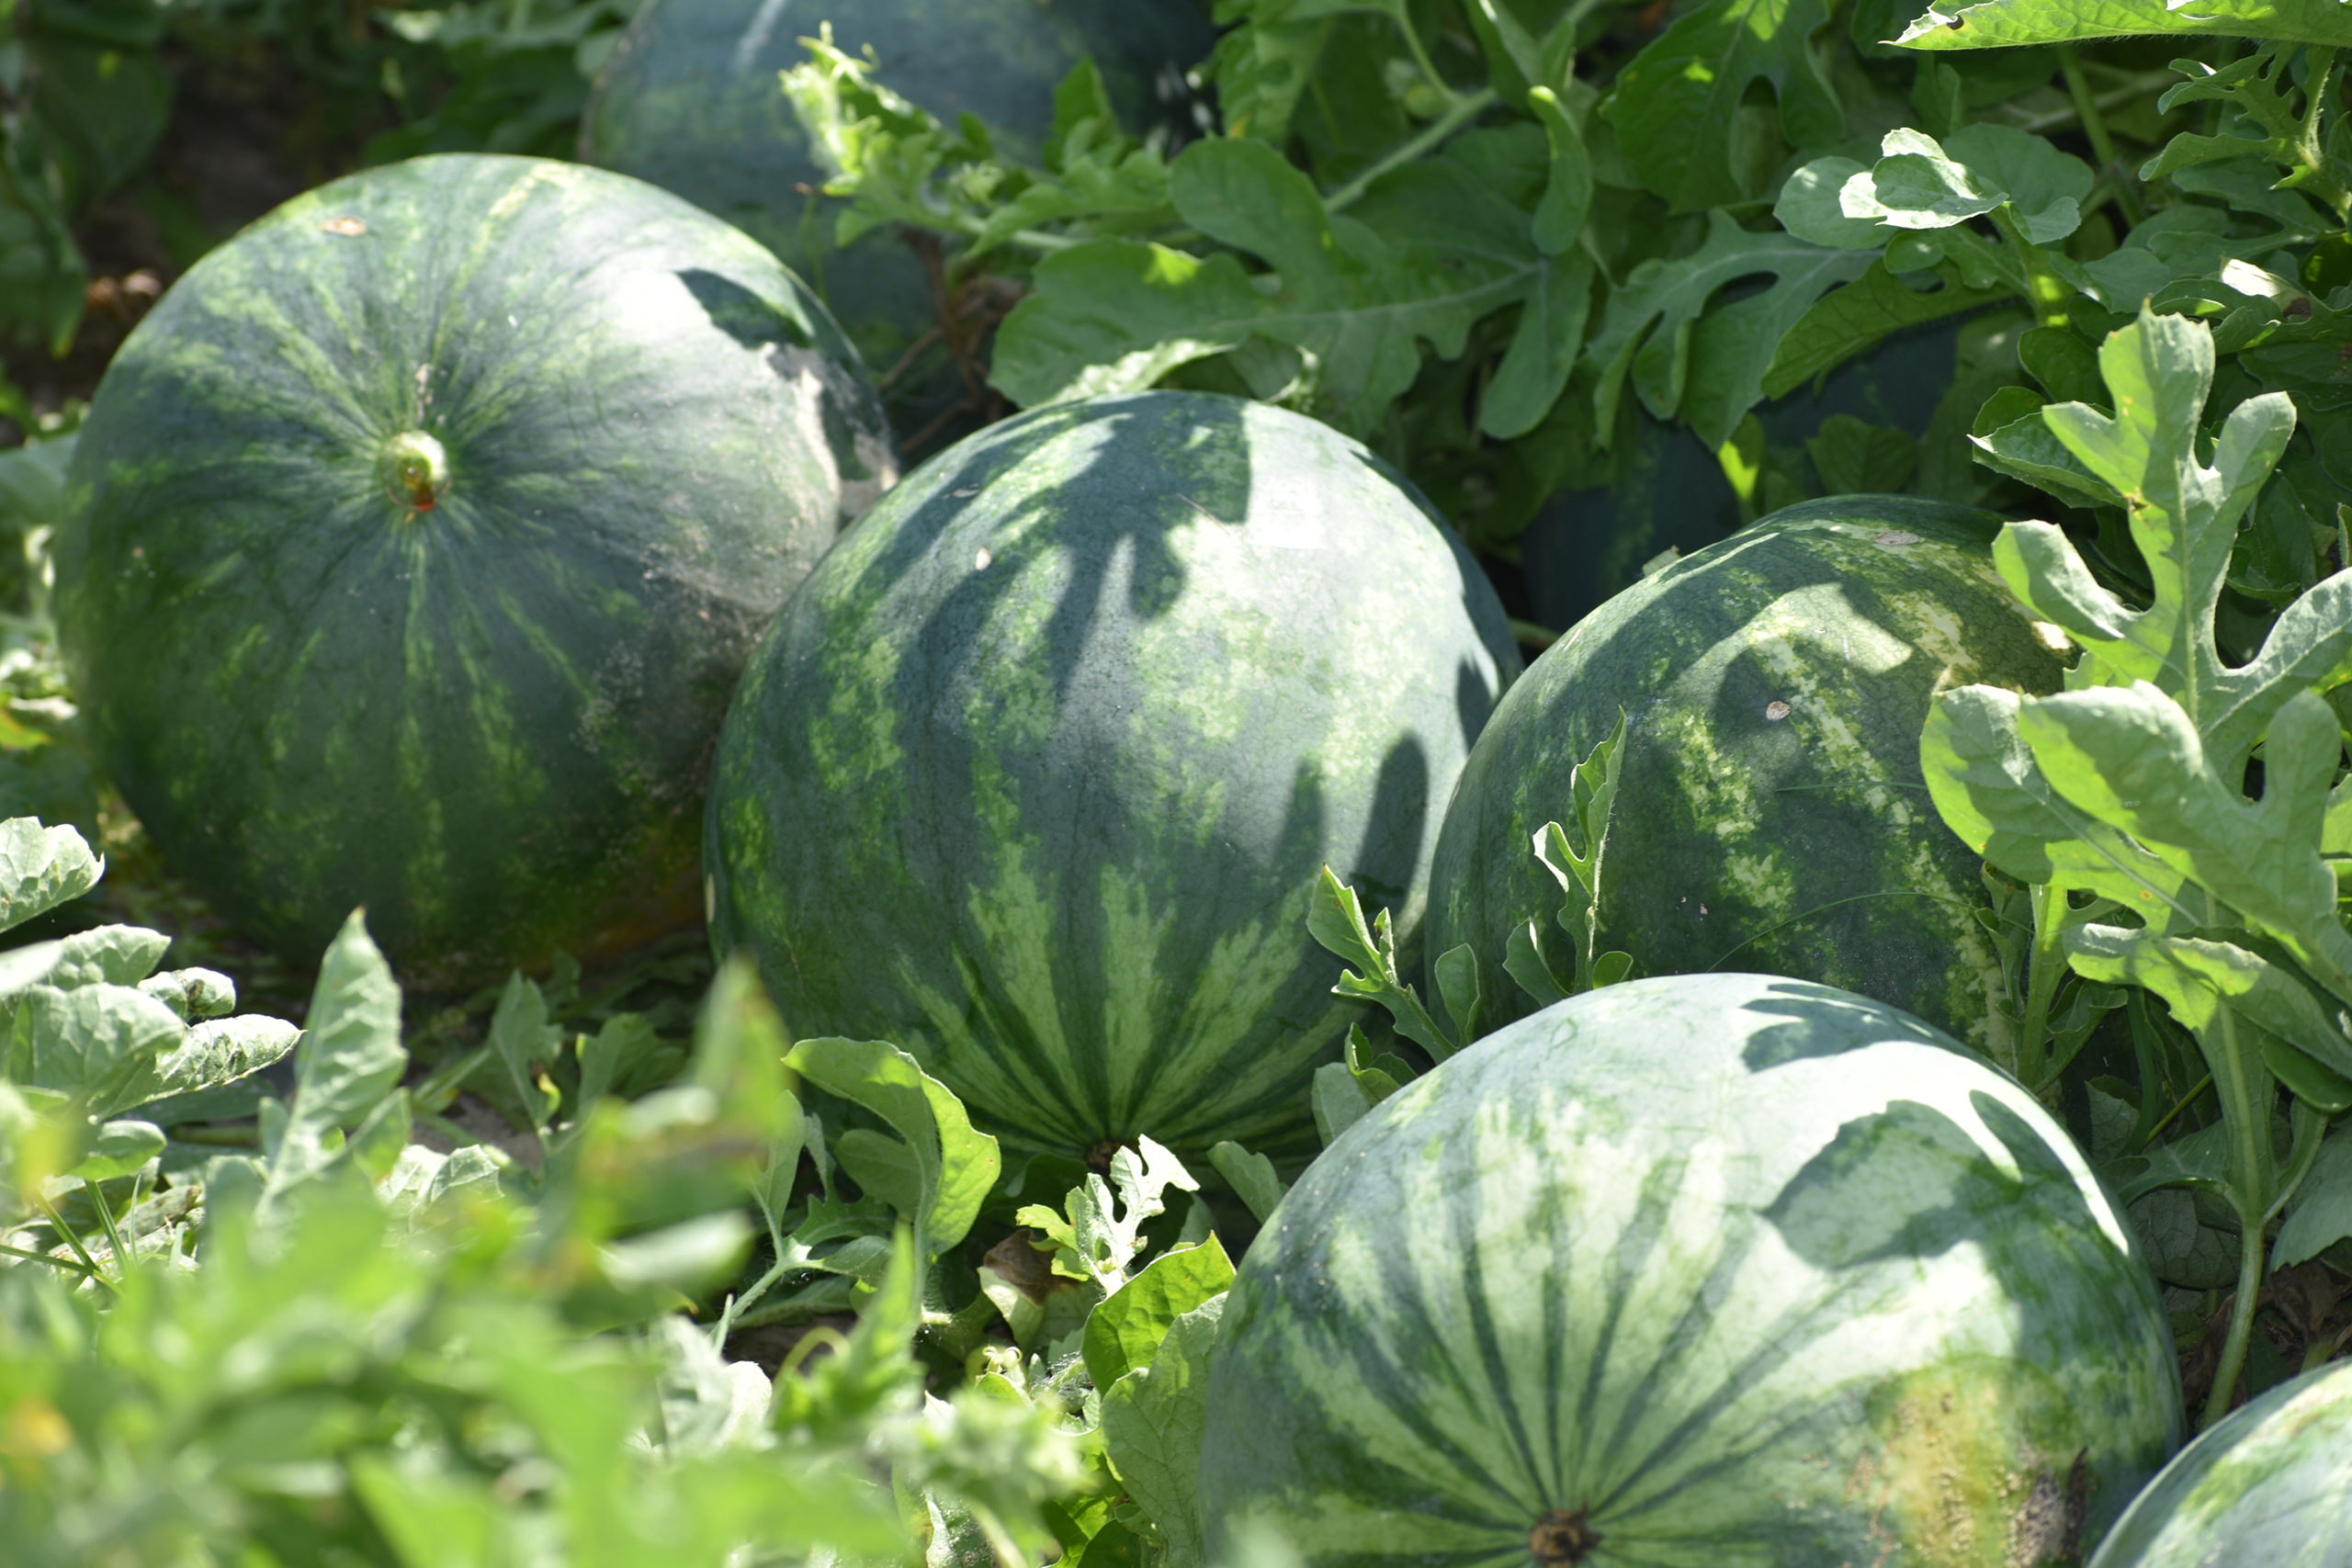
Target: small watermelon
(1702,1271)
(2271,1486)
(690,101)
(414,544)
(1770,814)
(1039,769)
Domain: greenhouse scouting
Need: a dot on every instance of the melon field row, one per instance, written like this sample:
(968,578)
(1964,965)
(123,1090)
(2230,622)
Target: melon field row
(1439,783)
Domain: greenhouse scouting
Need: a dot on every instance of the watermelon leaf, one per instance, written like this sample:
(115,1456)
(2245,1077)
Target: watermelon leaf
(2321,1213)
(1677,106)
(1577,867)
(938,1171)
(1153,1422)
(347,1065)
(1097,1235)
(1457,987)
(1126,1328)
(1706,367)
(2004,24)
(1336,920)
(2150,744)
(525,1044)
(1251,1176)
(41,868)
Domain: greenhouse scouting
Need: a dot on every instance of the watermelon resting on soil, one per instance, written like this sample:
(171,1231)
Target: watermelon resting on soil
(414,544)
(690,102)
(1702,1271)
(1770,814)
(2271,1486)
(1038,770)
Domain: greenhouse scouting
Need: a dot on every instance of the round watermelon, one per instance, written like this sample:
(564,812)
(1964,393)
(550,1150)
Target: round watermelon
(1770,814)
(690,101)
(1039,769)
(2271,1486)
(1701,1271)
(415,541)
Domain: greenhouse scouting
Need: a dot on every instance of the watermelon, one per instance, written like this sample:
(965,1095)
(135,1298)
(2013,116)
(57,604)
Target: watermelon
(415,541)
(1699,1272)
(2270,1484)
(1771,813)
(1039,769)
(689,100)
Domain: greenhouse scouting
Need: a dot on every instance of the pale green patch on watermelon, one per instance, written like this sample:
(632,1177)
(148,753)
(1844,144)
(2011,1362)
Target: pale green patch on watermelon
(1720,1271)
(1037,771)
(1771,814)
(2271,1485)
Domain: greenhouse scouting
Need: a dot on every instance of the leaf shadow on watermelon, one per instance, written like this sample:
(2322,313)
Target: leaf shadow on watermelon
(1912,1182)
(737,311)
(1010,811)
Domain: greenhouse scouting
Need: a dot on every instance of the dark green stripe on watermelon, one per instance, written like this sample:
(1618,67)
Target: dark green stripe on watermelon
(1770,814)
(417,540)
(1707,1272)
(1036,774)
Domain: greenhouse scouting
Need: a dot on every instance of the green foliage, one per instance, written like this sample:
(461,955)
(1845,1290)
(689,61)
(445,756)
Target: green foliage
(2130,789)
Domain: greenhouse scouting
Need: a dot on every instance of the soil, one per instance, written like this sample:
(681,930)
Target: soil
(247,132)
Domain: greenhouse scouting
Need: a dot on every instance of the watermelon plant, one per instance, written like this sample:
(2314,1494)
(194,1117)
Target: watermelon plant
(2157,853)
(2272,1484)
(689,101)
(1036,773)
(1771,811)
(1696,1270)
(415,542)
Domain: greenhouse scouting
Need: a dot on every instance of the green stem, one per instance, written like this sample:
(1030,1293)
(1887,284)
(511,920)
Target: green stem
(2250,1178)
(1464,110)
(2043,290)
(2225,1376)
(52,1260)
(2185,1102)
(2078,87)
(2047,969)
(2134,90)
(2319,180)
(1421,56)
(72,1240)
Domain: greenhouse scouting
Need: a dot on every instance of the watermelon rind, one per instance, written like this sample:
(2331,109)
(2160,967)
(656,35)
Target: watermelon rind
(1704,1271)
(1039,770)
(2269,1486)
(1770,812)
(415,540)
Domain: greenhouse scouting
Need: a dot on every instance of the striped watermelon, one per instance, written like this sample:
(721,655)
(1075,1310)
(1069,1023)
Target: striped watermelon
(690,102)
(2269,1487)
(415,541)
(1771,813)
(1038,769)
(1706,1271)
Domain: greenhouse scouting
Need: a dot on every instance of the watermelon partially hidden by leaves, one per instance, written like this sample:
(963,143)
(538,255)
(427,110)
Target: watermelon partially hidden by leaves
(1039,770)
(1693,1272)
(1771,813)
(2270,1484)
(415,542)
(690,101)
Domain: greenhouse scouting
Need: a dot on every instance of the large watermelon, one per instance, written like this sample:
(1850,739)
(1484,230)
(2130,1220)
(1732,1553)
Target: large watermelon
(2269,1487)
(1037,771)
(415,541)
(690,101)
(1706,1271)
(1770,814)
